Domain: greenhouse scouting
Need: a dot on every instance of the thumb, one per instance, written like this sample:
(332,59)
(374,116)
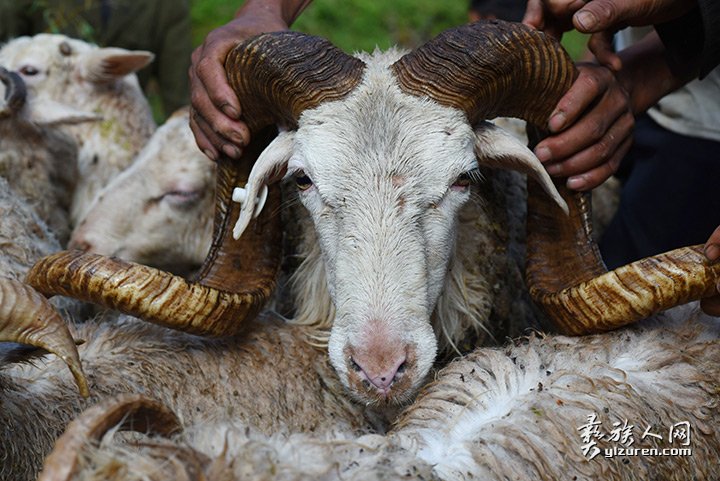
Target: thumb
(599,15)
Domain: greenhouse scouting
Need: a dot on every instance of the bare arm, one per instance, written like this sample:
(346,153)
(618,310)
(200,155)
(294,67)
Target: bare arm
(216,114)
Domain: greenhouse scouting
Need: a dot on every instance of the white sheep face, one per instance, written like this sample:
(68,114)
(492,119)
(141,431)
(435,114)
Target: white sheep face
(384,198)
(383,175)
(159,210)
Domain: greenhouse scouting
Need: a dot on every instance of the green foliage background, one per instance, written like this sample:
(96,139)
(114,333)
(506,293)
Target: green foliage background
(362,24)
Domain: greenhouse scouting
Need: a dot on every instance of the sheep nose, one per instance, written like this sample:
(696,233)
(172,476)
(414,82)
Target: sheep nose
(380,372)
(79,244)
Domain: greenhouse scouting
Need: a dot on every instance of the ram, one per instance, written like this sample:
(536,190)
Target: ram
(167,197)
(383,149)
(89,79)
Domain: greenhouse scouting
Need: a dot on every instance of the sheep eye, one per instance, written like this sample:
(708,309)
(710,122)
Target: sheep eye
(463,181)
(303,181)
(29,70)
(183,199)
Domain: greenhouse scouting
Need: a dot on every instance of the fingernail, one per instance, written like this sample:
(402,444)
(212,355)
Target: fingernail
(553,169)
(543,154)
(712,252)
(576,183)
(230,111)
(237,138)
(586,21)
(557,122)
(231,151)
(210,154)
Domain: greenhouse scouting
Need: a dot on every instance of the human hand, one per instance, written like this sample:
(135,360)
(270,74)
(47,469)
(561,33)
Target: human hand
(602,18)
(216,112)
(591,129)
(711,305)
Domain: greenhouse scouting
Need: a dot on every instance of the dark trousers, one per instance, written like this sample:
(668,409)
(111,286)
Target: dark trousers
(670,196)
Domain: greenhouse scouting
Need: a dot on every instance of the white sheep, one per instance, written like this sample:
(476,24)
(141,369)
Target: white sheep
(95,80)
(167,197)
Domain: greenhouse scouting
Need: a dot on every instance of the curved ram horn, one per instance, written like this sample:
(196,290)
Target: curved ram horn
(276,77)
(15,93)
(567,277)
(132,412)
(26,317)
(496,68)
(489,69)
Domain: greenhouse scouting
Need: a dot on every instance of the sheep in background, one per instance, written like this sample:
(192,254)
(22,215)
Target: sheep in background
(90,79)
(37,159)
(167,197)
(544,407)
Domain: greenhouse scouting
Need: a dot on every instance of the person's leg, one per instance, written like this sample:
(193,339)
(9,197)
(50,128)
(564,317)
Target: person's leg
(669,199)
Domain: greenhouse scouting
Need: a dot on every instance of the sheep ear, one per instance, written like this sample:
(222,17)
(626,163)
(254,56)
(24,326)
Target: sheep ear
(109,64)
(270,165)
(497,148)
(46,112)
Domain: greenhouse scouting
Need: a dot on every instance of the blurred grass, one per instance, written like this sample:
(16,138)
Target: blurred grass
(356,25)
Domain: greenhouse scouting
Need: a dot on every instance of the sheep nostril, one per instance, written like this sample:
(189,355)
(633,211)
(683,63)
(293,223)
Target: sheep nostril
(356,367)
(79,245)
(401,368)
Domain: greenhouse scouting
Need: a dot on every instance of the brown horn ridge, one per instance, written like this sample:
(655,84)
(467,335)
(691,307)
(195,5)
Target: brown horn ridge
(276,76)
(132,412)
(15,93)
(497,68)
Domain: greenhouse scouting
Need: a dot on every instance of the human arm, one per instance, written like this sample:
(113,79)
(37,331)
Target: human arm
(216,114)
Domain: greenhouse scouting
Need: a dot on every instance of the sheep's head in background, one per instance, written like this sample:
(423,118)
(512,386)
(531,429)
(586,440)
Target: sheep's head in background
(381,153)
(59,66)
(38,159)
(167,198)
(90,79)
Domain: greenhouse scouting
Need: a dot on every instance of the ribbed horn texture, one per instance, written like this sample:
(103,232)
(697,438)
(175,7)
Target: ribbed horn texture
(496,68)
(132,412)
(28,318)
(15,93)
(236,278)
(567,277)
(490,69)
(293,72)
(276,76)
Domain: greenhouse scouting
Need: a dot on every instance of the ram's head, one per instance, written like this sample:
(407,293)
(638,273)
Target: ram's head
(381,152)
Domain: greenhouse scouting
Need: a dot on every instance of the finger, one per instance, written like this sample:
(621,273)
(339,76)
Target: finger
(215,124)
(589,86)
(600,44)
(596,176)
(212,76)
(609,151)
(219,143)
(711,305)
(534,14)
(598,15)
(712,246)
(202,140)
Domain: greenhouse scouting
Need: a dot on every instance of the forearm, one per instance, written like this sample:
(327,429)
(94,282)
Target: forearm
(645,73)
(287,10)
